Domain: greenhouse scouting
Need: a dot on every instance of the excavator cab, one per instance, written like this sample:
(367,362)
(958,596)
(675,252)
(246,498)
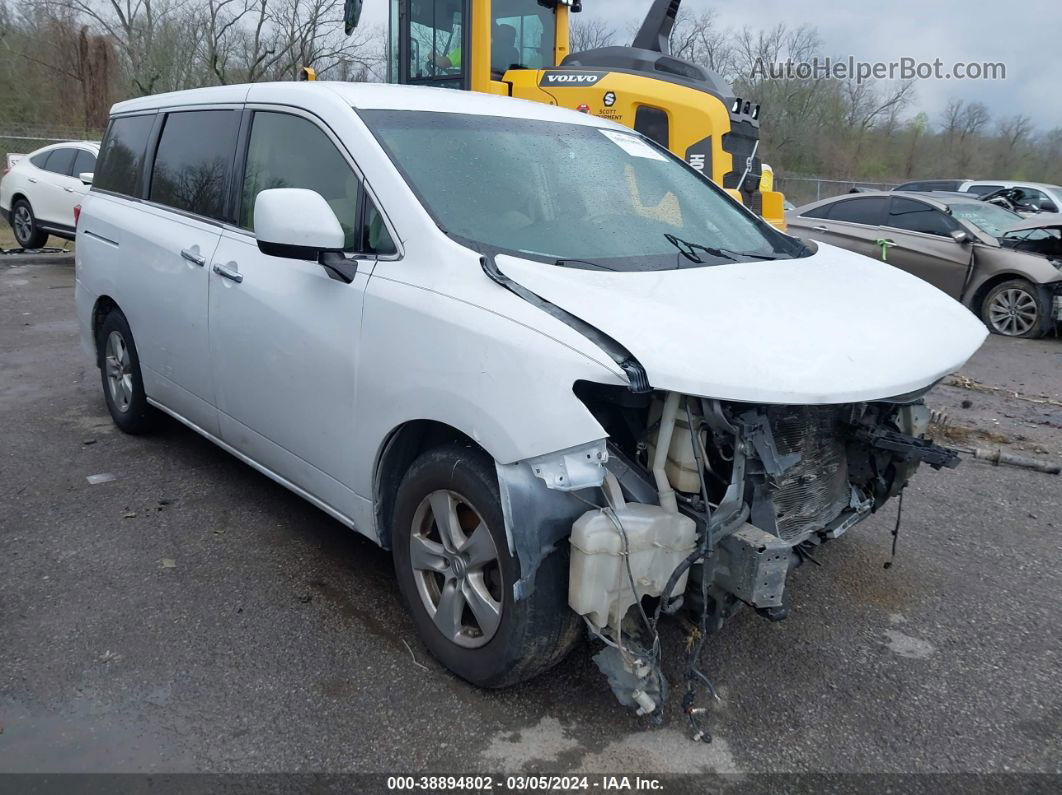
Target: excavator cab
(520,48)
(472,44)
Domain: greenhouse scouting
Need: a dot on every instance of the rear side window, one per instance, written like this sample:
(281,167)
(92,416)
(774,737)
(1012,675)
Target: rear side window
(822,211)
(288,151)
(652,123)
(869,211)
(84,162)
(194,161)
(981,190)
(60,160)
(121,161)
(916,216)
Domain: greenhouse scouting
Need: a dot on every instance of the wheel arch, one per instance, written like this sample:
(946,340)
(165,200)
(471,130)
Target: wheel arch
(977,298)
(399,450)
(104,306)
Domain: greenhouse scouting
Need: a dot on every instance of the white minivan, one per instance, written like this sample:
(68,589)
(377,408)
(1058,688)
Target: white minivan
(566,379)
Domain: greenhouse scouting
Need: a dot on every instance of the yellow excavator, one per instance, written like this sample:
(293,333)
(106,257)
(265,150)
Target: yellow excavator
(520,48)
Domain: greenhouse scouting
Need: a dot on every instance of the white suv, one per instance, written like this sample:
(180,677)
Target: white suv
(38,194)
(551,367)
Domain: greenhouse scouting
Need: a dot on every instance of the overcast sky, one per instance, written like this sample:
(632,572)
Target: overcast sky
(1023,34)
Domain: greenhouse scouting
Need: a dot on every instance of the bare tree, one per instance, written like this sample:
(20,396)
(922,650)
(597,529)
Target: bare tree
(865,105)
(964,125)
(64,62)
(590,34)
(915,135)
(1013,135)
(699,38)
(134,26)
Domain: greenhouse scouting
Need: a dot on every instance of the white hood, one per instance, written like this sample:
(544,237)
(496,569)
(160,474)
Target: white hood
(836,327)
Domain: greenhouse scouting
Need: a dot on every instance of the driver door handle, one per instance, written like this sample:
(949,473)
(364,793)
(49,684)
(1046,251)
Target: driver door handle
(193,257)
(228,273)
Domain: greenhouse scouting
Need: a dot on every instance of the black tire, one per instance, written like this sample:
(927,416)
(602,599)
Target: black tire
(1032,309)
(534,633)
(127,404)
(24,225)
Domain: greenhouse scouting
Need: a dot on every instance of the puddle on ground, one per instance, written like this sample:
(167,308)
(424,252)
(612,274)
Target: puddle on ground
(908,646)
(660,751)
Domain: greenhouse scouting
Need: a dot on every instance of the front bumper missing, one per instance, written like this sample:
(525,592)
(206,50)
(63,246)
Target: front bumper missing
(540,506)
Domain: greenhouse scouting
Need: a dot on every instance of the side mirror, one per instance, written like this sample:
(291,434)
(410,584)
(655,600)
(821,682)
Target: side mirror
(961,236)
(86,177)
(299,224)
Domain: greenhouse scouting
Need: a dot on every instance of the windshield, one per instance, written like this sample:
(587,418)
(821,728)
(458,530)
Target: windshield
(586,196)
(987,217)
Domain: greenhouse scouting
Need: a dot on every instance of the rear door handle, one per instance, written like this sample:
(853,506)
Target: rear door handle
(228,273)
(820,229)
(33,180)
(193,257)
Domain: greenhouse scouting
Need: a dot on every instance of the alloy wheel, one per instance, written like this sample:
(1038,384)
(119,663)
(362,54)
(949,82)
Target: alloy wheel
(1013,312)
(23,223)
(119,371)
(456,568)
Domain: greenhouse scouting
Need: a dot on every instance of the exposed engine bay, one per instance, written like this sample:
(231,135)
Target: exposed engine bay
(704,506)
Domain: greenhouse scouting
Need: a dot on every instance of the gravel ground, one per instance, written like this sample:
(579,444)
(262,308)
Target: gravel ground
(190,615)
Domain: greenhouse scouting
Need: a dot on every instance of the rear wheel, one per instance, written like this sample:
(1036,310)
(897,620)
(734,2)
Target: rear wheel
(123,385)
(24,224)
(456,574)
(1017,308)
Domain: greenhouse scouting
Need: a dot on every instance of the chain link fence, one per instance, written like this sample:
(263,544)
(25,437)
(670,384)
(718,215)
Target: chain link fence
(802,189)
(24,138)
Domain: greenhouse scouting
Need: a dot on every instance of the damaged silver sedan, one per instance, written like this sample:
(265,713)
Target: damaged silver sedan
(567,380)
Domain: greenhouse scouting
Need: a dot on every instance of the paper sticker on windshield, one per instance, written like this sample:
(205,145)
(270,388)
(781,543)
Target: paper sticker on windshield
(632,145)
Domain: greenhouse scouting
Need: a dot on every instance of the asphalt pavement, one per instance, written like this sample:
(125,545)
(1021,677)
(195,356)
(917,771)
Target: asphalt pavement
(187,614)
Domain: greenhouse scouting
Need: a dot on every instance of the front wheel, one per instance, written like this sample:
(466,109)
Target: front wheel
(456,574)
(1017,308)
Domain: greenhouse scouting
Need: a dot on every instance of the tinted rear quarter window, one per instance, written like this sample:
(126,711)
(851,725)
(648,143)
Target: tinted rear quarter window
(822,211)
(932,184)
(194,161)
(869,211)
(60,160)
(916,216)
(40,158)
(121,162)
(84,162)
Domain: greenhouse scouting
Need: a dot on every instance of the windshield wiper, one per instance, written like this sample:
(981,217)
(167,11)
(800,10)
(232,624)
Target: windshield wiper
(688,250)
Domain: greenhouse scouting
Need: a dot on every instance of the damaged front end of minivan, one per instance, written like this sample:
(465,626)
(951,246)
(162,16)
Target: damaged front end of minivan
(701,505)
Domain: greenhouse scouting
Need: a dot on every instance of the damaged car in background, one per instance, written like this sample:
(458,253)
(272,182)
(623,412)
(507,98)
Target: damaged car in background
(1004,267)
(567,380)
